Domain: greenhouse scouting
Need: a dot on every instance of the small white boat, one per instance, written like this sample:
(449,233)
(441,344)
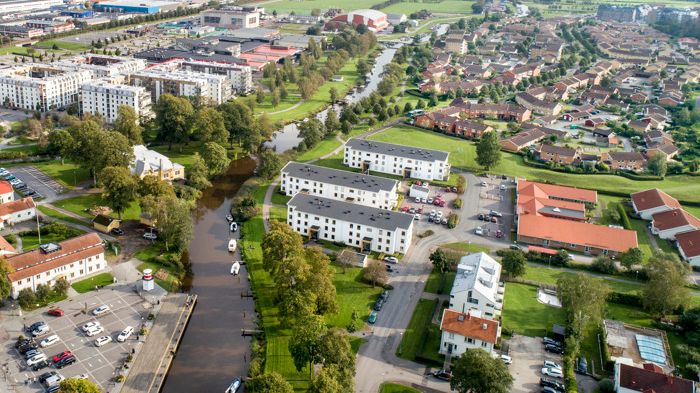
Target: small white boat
(229,218)
(235,268)
(232,245)
(233,387)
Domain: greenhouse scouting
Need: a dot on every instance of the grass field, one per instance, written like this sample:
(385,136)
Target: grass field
(438,283)
(89,284)
(60,216)
(523,314)
(463,155)
(66,45)
(396,388)
(80,204)
(421,340)
(443,7)
(324,147)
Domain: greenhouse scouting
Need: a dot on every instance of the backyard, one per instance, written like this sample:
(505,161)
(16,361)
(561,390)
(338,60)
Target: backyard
(81,204)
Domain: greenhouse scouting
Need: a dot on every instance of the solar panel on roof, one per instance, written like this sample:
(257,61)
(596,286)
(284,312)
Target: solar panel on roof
(651,348)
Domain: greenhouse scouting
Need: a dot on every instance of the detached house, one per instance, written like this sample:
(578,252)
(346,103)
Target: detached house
(151,163)
(688,244)
(671,222)
(14,212)
(649,202)
(477,287)
(464,331)
(7,193)
(650,378)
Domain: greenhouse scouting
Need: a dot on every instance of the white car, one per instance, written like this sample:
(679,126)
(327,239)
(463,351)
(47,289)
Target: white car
(506,359)
(391,259)
(41,330)
(100,310)
(483,184)
(416,216)
(233,227)
(36,359)
(551,364)
(439,214)
(433,213)
(94,331)
(102,340)
(479,231)
(150,236)
(49,341)
(126,333)
(90,325)
(552,372)
(503,187)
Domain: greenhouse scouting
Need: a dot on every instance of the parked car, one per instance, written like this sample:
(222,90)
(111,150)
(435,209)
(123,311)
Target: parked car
(548,389)
(499,233)
(372,317)
(23,341)
(89,325)
(378,305)
(36,359)
(416,216)
(234,386)
(43,377)
(32,352)
(150,236)
(100,310)
(443,374)
(514,247)
(27,347)
(233,227)
(552,372)
(581,366)
(429,201)
(494,219)
(502,187)
(94,331)
(481,217)
(41,330)
(553,349)
(55,312)
(479,231)
(49,341)
(125,334)
(391,259)
(552,383)
(548,340)
(495,213)
(389,268)
(35,325)
(412,210)
(384,295)
(551,364)
(117,231)
(66,362)
(102,340)
(60,356)
(40,366)
(405,208)
(506,359)
(484,184)
(54,380)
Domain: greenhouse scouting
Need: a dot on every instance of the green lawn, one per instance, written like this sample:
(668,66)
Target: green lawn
(421,341)
(445,7)
(184,154)
(278,213)
(523,314)
(546,275)
(438,283)
(396,388)
(170,282)
(322,148)
(60,216)
(67,174)
(352,294)
(463,155)
(80,204)
(31,242)
(61,44)
(280,199)
(467,247)
(89,284)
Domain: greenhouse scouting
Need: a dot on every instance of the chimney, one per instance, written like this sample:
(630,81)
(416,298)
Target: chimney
(485,326)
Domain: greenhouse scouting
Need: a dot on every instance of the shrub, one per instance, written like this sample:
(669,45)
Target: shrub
(452,220)
(457,204)
(461,184)
(603,264)
(624,217)
(606,386)
(26,298)
(243,208)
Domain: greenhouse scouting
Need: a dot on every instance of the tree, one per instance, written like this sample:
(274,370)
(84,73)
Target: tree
(658,164)
(216,158)
(631,257)
(172,217)
(312,131)
(270,164)
(345,259)
(331,123)
(337,351)
(604,264)
(5,283)
(514,262)
(476,371)
(268,383)
(440,263)
(305,342)
(197,176)
(173,117)
(61,286)
(61,144)
(333,95)
(119,188)
(583,298)
(279,243)
(488,151)
(375,273)
(127,124)
(319,281)
(26,298)
(665,291)
(152,185)
(78,385)
(327,381)
(208,126)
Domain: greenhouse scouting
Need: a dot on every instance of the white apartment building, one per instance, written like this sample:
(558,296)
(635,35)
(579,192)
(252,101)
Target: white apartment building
(477,287)
(231,18)
(363,227)
(104,66)
(464,331)
(72,259)
(240,76)
(41,87)
(216,88)
(372,191)
(105,98)
(405,161)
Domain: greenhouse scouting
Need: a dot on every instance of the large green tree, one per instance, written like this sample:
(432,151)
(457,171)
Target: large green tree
(488,151)
(320,281)
(270,164)
(78,385)
(279,243)
(173,119)
(96,149)
(119,188)
(271,382)
(216,158)
(583,299)
(61,144)
(514,262)
(152,185)
(476,371)
(665,291)
(208,126)
(127,124)
(198,173)
(172,218)
(305,342)
(658,164)
(5,284)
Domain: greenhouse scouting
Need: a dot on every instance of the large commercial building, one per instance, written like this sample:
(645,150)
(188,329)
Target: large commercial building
(404,161)
(231,18)
(41,87)
(373,19)
(240,76)
(104,98)
(372,191)
(216,88)
(366,228)
(13,6)
(71,259)
(136,6)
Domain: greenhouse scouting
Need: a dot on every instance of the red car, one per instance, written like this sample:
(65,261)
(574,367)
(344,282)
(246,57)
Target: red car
(56,312)
(499,233)
(57,358)
(405,208)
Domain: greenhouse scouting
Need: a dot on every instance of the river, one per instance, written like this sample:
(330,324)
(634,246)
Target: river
(213,351)
(288,137)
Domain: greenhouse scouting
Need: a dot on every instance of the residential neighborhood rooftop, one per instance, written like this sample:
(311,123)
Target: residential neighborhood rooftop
(468,325)
(339,177)
(397,150)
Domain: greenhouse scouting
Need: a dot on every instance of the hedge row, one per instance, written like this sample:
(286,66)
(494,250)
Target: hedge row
(624,217)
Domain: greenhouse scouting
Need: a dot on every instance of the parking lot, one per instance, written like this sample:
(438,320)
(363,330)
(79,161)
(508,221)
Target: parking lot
(44,186)
(494,195)
(100,364)
(528,358)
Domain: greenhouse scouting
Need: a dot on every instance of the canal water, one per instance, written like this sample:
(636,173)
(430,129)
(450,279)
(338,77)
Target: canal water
(213,351)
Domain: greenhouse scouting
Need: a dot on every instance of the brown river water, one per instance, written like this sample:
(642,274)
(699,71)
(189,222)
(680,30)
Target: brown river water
(213,351)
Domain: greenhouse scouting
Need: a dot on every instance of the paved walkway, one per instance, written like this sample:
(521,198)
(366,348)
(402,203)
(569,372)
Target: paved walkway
(295,106)
(157,352)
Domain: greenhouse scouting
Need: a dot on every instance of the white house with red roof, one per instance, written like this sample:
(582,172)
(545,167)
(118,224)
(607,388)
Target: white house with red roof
(14,212)
(650,378)
(671,222)
(648,202)
(464,331)
(7,193)
(688,244)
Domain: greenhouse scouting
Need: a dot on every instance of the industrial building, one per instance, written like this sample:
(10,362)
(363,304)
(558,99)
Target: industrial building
(231,18)
(14,6)
(104,98)
(137,6)
(373,19)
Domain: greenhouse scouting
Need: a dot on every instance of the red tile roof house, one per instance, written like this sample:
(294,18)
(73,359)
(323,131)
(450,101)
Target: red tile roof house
(630,379)
(7,193)
(669,223)
(554,216)
(626,161)
(14,212)
(649,202)
(670,150)
(688,244)
(464,331)
(72,259)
